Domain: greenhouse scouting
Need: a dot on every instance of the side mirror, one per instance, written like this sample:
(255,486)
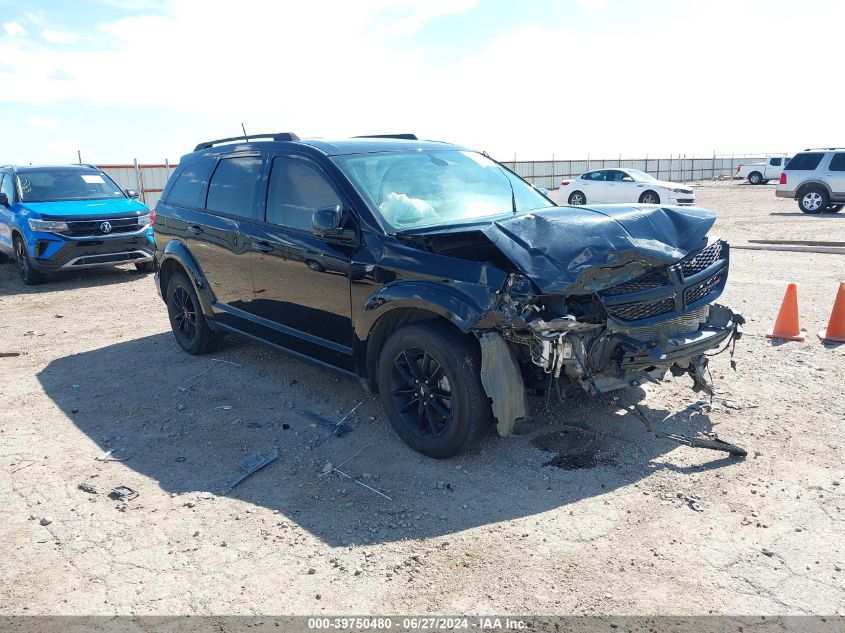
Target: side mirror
(627,179)
(327,222)
(133,194)
(4,200)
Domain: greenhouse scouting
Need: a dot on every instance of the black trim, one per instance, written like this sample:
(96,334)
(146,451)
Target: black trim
(278,136)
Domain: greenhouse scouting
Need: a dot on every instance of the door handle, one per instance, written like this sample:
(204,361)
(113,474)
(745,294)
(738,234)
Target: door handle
(262,246)
(196,229)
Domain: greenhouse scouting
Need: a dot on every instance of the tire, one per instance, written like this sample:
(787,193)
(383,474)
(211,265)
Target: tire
(765,182)
(317,267)
(649,197)
(577,198)
(144,267)
(434,362)
(834,208)
(187,320)
(813,200)
(27,273)
(755,178)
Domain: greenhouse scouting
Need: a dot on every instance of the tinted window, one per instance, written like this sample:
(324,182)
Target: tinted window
(6,187)
(805,161)
(185,191)
(774,162)
(296,189)
(837,163)
(233,186)
(593,175)
(614,175)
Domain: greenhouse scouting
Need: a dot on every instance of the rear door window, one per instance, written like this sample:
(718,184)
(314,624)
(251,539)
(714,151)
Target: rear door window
(189,184)
(234,186)
(594,176)
(774,162)
(6,187)
(837,163)
(806,161)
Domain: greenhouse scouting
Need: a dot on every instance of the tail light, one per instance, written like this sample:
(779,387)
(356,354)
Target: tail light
(152,216)
(782,178)
(563,183)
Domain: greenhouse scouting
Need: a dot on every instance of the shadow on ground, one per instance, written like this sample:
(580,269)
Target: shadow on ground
(167,409)
(64,280)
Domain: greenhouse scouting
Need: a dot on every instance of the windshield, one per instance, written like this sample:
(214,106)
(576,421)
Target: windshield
(641,176)
(416,189)
(56,184)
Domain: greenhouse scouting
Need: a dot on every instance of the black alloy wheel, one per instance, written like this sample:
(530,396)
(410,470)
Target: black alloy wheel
(187,320)
(422,393)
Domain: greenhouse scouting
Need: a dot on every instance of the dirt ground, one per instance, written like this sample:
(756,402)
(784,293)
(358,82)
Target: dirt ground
(629,525)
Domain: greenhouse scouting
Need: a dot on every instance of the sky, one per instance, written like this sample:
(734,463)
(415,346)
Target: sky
(119,80)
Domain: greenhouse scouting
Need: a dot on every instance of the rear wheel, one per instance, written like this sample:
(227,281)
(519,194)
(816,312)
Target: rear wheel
(429,378)
(577,198)
(649,197)
(187,320)
(755,178)
(813,200)
(28,274)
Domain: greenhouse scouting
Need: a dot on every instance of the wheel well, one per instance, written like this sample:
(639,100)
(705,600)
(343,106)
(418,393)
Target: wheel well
(809,185)
(385,327)
(168,268)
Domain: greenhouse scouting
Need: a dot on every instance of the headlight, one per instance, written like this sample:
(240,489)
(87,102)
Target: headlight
(47,225)
(144,220)
(686,191)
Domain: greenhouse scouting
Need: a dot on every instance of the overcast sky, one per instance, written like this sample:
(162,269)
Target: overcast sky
(119,79)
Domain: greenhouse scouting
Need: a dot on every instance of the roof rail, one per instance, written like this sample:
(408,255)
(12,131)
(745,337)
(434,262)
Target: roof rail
(278,136)
(822,148)
(404,136)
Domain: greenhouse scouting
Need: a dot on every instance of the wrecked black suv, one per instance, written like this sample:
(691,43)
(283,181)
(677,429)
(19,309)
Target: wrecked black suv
(435,275)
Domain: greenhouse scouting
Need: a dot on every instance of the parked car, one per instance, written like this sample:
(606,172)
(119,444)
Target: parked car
(761,173)
(623,185)
(816,179)
(465,285)
(70,217)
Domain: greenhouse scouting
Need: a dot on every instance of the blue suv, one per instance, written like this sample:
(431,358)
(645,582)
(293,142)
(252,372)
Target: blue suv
(68,217)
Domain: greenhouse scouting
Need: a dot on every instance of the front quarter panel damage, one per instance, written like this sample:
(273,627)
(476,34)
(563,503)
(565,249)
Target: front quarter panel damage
(502,380)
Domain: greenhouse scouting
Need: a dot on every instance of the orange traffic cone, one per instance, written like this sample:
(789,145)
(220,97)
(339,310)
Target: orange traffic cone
(835,331)
(786,325)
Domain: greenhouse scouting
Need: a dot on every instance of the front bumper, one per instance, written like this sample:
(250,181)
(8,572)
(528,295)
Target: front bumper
(682,199)
(51,252)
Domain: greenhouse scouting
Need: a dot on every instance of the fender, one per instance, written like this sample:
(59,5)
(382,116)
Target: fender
(466,305)
(178,251)
(813,183)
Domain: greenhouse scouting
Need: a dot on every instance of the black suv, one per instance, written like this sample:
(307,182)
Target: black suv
(435,275)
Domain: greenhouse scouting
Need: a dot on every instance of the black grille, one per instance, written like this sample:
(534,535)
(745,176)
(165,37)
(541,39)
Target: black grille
(699,291)
(702,260)
(649,281)
(92,228)
(107,259)
(642,310)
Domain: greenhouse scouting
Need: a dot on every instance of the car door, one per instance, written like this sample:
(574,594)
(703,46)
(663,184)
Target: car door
(302,283)
(6,213)
(617,189)
(206,213)
(594,186)
(835,176)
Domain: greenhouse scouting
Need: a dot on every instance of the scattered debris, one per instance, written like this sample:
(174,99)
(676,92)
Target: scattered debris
(45,521)
(223,407)
(60,316)
(358,481)
(128,415)
(74,387)
(693,502)
(91,490)
(767,552)
(214,362)
(9,354)
(123,493)
(327,468)
(252,464)
(109,455)
(339,429)
(705,406)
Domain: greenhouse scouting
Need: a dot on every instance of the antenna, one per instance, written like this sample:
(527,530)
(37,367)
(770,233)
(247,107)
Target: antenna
(244,129)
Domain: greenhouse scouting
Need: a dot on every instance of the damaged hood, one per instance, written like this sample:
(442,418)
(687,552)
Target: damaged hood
(587,249)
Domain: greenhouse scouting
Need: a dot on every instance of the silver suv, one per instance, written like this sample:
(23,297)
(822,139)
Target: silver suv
(816,178)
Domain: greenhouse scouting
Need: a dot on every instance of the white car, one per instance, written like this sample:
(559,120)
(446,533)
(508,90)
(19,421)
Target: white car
(622,185)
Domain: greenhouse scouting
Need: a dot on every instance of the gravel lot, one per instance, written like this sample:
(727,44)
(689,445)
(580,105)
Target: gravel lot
(644,527)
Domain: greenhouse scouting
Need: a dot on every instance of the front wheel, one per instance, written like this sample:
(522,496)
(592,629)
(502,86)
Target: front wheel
(577,198)
(834,208)
(27,273)
(187,320)
(429,378)
(813,200)
(649,197)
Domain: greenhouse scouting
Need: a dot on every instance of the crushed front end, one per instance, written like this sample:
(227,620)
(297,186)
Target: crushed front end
(628,333)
